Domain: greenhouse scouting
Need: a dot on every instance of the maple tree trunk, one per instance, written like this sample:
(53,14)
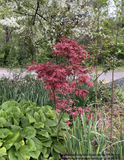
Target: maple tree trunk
(54,98)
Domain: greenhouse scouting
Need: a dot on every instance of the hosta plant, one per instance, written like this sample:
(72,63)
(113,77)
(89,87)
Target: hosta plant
(30,132)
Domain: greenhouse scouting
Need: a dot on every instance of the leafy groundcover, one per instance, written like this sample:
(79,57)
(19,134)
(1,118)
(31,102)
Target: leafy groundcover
(30,132)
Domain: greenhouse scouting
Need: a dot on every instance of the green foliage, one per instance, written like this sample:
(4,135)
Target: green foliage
(120,50)
(104,95)
(119,92)
(28,88)
(86,139)
(29,132)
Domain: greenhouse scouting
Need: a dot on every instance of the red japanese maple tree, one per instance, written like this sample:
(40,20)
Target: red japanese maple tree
(56,76)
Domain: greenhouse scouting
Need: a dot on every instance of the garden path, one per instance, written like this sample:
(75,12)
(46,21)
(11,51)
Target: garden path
(4,72)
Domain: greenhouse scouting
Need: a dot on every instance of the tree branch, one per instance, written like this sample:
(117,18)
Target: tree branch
(26,14)
(34,17)
(36,13)
(41,16)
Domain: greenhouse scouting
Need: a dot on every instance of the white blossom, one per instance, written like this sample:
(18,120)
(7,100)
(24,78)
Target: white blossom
(10,22)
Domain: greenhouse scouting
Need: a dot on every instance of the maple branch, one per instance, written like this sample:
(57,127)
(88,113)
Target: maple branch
(59,125)
(54,98)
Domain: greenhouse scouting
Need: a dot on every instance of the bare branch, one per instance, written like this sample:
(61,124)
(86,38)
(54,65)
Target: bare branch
(34,17)
(41,16)
(26,14)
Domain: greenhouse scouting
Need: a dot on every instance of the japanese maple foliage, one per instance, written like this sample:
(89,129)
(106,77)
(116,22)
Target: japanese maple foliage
(55,75)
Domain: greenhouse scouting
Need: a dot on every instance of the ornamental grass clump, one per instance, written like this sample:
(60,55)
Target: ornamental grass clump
(86,141)
(28,88)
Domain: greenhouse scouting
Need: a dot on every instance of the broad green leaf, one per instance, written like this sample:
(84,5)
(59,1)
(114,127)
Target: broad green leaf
(39,125)
(16,128)
(34,154)
(55,155)
(49,114)
(63,125)
(3,151)
(16,121)
(47,128)
(20,142)
(11,154)
(24,150)
(48,150)
(65,117)
(51,158)
(46,155)
(37,117)
(59,148)
(44,150)
(3,113)
(4,132)
(8,144)
(43,118)
(8,104)
(13,109)
(12,137)
(24,121)
(2,158)
(38,143)
(31,145)
(54,132)
(50,122)
(29,132)
(20,157)
(44,133)
(46,108)
(3,121)
(18,114)
(47,143)
(17,146)
(42,138)
(31,119)
(1,143)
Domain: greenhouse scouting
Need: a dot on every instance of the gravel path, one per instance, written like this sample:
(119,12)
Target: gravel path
(119,81)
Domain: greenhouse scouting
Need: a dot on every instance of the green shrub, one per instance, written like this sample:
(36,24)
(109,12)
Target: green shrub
(103,95)
(30,132)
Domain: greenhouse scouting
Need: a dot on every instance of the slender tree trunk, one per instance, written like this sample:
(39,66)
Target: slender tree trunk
(96,59)
(7,37)
(113,68)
